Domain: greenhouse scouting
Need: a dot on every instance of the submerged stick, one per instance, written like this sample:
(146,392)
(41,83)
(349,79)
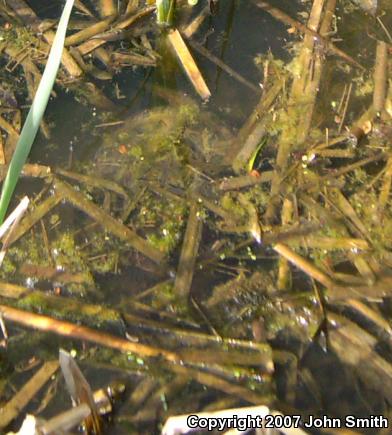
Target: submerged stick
(29,170)
(13,291)
(386,187)
(217,383)
(345,169)
(232,73)
(284,273)
(21,399)
(376,291)
(107,7)
(16,214)
(195,24)
(189,252)
(358,350)
(107,221)
(343,204)
(64,422)
(334,153)
(261,109)
(92,44)
(94,181)
(28,16)
(370,314)
(35,216)
(255,128)
(68,329)
(53,274)
(2,154)
(185,58)
(148,409)
(303,264)
(302,100)
(332,244)
(89,32)
(379,99)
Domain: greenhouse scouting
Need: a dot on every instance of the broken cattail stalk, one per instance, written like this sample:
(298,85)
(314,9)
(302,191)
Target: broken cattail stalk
(187,62)
(386,187)
(14,216)
(189,252)
(303,264)
(35,216)
(108,7)
(68,329)
(286,19)
(21,399)
(195,24)
(284,274)
(380,77)
(110,223)
(215,60)
(89,32)
(92,44)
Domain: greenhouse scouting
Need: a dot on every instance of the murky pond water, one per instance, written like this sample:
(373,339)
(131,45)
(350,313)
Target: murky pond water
(231,248)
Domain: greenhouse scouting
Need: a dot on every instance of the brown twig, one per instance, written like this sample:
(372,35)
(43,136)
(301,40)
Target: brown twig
(284,272)
(89,32)
(303,264)
(68,329)
(108,8)
(286,19)
(188,64)
(110,223)
(380,76)
(232,73)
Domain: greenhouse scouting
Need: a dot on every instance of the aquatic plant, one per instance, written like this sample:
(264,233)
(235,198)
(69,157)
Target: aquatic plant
(36,112)
(165,11)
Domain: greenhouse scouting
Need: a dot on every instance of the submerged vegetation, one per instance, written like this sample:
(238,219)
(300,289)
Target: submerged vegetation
(210,237)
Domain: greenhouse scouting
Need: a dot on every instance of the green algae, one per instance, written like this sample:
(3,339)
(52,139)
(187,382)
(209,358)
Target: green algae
(167,220)
(64,256)
(71,310)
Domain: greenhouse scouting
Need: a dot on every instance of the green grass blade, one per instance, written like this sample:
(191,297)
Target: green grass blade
(36,112)
(165,12)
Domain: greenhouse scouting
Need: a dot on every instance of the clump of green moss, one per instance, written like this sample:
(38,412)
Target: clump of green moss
(28,249)
(162,221)
(65,254)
